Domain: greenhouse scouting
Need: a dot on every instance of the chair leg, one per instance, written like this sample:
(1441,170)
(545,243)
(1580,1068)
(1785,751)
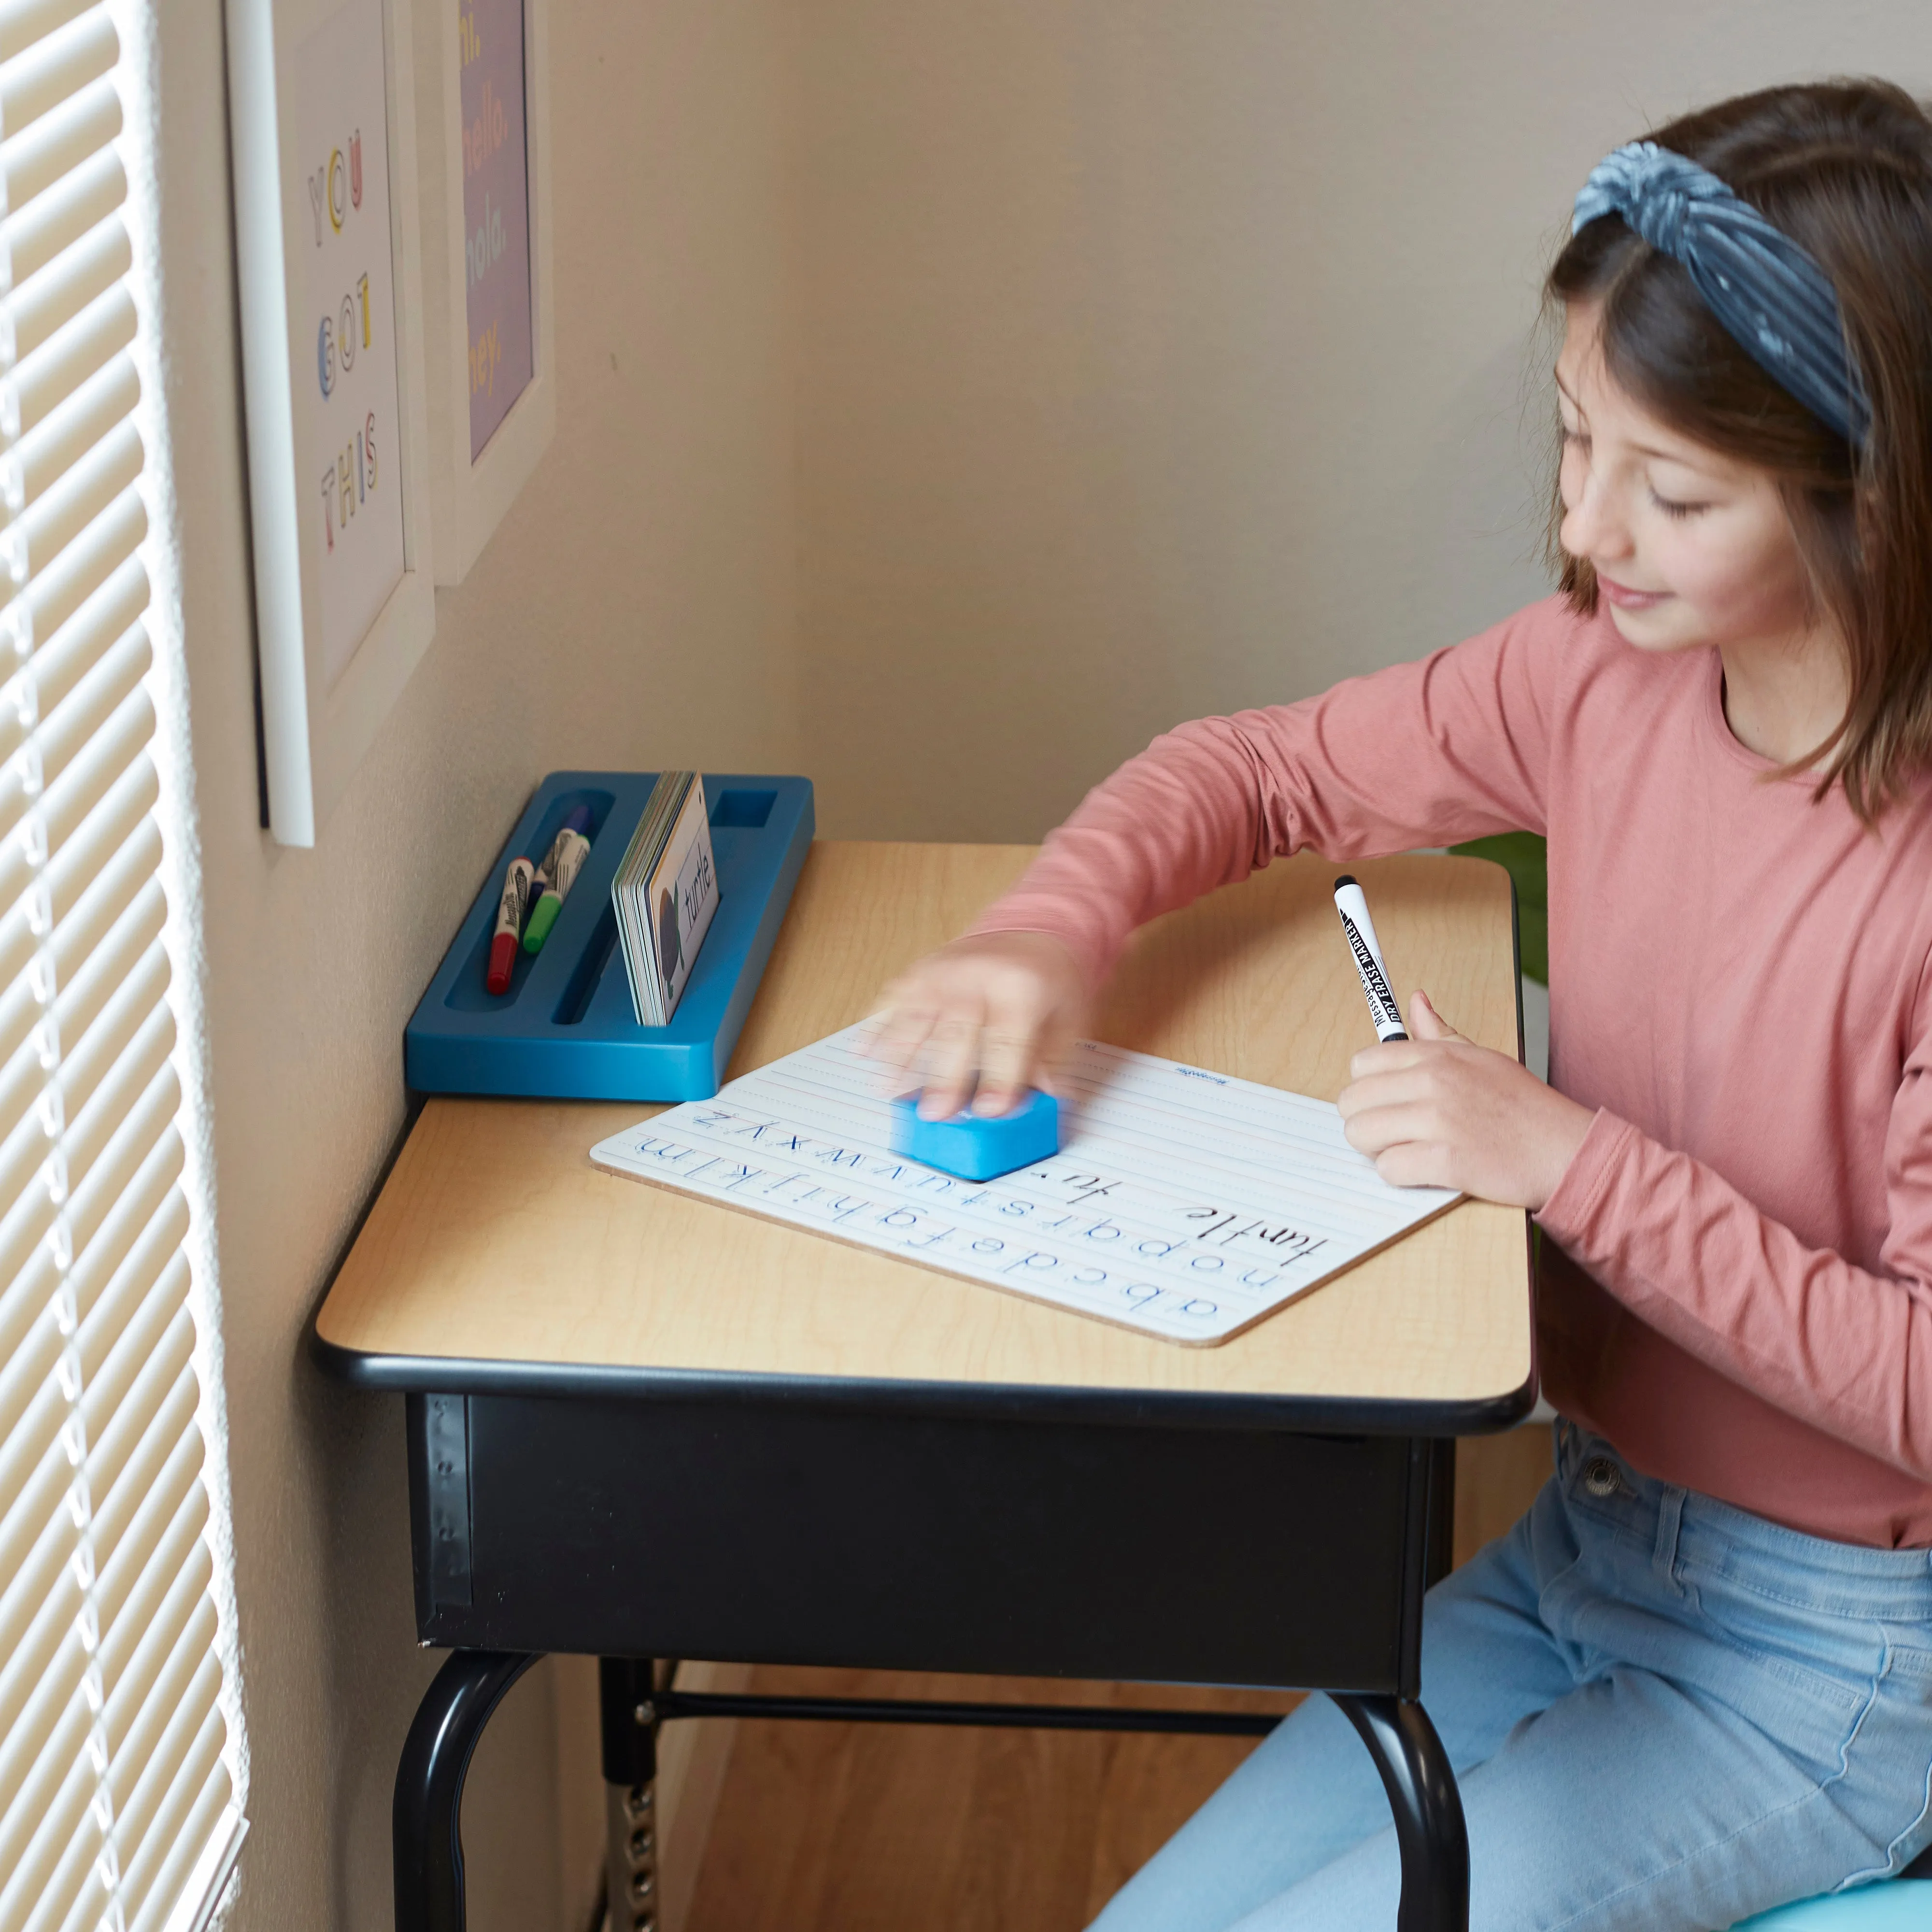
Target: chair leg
(1428,1826)
(426,1822)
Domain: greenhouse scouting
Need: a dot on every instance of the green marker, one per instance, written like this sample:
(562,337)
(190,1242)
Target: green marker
(556,876)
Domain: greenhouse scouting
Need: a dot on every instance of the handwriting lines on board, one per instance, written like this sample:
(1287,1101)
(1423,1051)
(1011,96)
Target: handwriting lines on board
(1184,1204)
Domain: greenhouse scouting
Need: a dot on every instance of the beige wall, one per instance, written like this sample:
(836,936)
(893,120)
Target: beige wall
(636,608)
(1165,356)
(950,397)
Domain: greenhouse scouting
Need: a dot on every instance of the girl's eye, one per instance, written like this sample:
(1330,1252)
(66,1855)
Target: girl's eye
(1676,509)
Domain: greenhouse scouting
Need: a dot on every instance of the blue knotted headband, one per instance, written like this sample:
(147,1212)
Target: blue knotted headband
(1769,294)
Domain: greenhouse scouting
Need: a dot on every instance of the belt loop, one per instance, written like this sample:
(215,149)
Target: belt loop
(1669,1521)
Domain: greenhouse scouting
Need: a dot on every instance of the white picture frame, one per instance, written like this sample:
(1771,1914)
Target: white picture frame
(473,483)
(322,113)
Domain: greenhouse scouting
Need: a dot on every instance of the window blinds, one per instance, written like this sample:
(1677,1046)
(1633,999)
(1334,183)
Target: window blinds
(116,1807)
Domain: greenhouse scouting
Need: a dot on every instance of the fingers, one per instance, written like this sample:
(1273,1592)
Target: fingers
(1372,1129)
(1425,1023)
(1392,1058)
(1389,1082)
(953,1065)
(1407,1142)
(898,1037)
(975,1022)
(1417,1164)
(1006,1055)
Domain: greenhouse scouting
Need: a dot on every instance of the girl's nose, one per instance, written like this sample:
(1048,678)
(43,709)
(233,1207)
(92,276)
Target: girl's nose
(1591,526)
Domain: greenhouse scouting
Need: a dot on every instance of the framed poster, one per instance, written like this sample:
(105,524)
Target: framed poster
(322,107)
(483,131)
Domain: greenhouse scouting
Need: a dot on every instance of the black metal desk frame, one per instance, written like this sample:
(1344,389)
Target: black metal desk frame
(641,1515)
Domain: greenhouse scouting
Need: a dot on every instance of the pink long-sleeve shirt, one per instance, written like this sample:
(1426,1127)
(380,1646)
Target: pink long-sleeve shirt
(1737,1285)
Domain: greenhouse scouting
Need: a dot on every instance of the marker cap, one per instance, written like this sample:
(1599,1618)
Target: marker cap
(510,909)
(543,917)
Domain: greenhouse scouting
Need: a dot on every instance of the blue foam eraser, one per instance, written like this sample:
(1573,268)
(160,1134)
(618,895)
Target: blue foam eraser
(977,1147)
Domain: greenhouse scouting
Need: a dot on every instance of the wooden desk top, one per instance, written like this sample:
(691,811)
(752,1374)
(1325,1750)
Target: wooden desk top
(496,1257)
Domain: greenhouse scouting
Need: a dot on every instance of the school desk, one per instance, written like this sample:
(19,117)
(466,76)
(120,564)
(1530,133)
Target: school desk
(640,1427)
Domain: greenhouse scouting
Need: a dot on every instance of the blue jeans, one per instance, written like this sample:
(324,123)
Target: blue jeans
(1664,1714)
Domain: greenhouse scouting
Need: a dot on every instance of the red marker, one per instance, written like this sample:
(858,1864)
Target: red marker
(509,924)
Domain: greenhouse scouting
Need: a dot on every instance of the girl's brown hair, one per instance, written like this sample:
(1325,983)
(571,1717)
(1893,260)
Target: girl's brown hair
(1845,169)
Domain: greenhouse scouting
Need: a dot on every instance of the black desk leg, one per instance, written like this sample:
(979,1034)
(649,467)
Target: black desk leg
(426,1824)
(1429,1827)
(627,1694)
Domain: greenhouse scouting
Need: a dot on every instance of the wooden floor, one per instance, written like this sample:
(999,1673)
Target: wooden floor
(868,1828)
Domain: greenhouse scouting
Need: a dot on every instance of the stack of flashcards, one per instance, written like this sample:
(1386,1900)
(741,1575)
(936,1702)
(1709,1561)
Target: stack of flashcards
(665,894)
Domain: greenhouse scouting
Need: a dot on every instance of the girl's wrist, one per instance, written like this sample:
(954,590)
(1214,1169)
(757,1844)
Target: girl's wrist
(1561,1141)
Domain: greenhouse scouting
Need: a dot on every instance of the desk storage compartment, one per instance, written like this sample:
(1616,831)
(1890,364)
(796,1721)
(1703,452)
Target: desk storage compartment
(566,1029)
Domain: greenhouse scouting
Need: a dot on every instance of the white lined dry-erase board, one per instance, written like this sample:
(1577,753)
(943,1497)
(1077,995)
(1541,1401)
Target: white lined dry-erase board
(1182,1203)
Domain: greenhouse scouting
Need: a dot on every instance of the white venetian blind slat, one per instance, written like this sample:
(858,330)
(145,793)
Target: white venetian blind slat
(55,742)
(80,48)
(90,484)
(171,1761)
(49,914)
(182,1694)
(146,1126)
(61,1029)
(52,595)
(24,22)
(168,1858)
(88,268)
(25,1022)
(176,1602)
(129,1257)
(169,1577)
(162,1561)
(32,1659)
(115,1795)
(97,406)
(146,1386)
(71,653)
(69,356)
(57,1855)
(63,139)
(129,1003)
(35,233)
(110,760)
(103,1214)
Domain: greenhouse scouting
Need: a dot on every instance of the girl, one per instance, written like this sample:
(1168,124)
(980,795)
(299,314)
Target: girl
(1695,1681)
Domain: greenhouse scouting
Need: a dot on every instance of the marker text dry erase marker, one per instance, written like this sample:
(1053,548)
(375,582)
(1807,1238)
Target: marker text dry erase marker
(556,876)
(509,924)
(1360,931)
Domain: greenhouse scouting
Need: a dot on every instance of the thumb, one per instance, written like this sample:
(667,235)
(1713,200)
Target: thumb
(1425,1022)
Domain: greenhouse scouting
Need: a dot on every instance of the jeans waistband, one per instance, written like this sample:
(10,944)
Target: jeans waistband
(1686,1526)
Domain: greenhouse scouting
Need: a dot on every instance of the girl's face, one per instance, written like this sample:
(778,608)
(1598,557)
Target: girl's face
(1691,547)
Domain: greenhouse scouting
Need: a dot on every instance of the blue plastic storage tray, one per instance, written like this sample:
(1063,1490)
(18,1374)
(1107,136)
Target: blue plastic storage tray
(566,1028)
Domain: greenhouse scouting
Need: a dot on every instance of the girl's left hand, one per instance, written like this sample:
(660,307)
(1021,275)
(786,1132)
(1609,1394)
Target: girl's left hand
(1438,1111)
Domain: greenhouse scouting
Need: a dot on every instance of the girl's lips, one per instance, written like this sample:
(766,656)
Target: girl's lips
(1625,598)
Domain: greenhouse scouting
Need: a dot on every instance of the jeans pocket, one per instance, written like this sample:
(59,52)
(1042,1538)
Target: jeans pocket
(1808,1698)
(1887,1789)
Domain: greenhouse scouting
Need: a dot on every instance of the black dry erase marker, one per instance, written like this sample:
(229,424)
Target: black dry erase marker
(1360,930)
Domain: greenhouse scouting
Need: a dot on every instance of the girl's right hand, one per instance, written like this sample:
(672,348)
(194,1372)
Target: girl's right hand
(983,1019)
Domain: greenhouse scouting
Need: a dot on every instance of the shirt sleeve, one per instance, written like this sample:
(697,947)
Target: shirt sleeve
(1454,747)
(1845,1348)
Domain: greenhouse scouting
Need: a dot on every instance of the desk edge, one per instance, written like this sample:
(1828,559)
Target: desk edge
(1180,1408)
